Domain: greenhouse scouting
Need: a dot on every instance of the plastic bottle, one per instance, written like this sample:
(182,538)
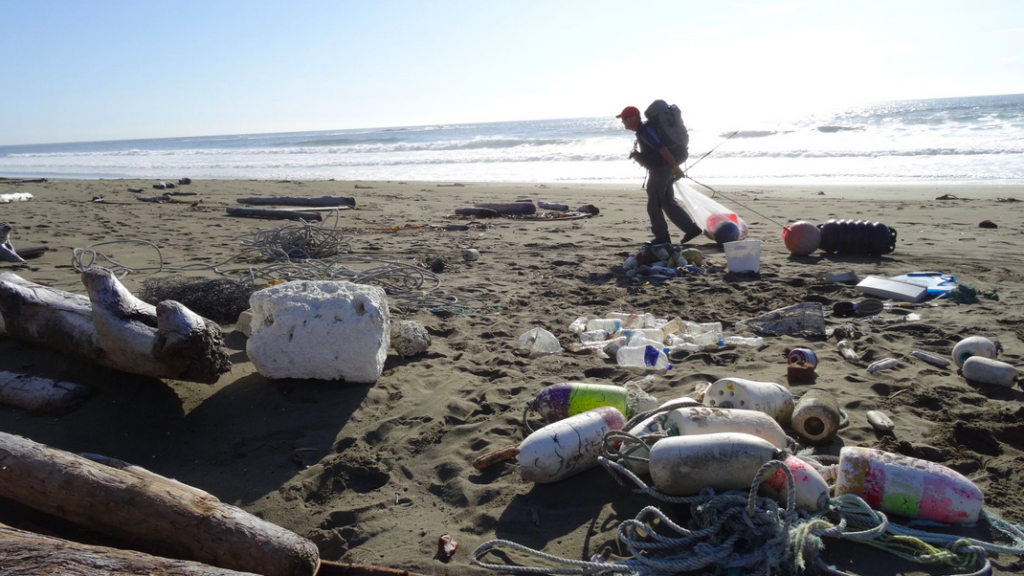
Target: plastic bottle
(568,446)
(755,342)
(684,347)
(883,364)
(685,465)
(931,358)
(846,349)
(642,357)
(578,325)
(708,339)
(640,340)
(654,334)
(602,345)
(593,336)
(609,325)
(629,320)
(908,486)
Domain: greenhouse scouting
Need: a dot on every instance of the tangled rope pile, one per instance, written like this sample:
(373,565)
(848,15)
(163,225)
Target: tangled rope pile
(736,531)
(303,251)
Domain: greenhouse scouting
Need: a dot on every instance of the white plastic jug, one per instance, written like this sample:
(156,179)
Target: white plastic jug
(743,255)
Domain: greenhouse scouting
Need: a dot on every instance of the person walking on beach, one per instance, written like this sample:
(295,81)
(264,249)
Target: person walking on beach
(662,170)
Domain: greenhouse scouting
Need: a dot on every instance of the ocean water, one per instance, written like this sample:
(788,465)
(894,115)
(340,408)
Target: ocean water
(973,140)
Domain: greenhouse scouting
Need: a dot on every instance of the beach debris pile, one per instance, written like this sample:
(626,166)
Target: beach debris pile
(664,261)
(645,341)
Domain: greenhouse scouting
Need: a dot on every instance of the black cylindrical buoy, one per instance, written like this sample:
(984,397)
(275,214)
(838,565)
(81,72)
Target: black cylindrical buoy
(857,237)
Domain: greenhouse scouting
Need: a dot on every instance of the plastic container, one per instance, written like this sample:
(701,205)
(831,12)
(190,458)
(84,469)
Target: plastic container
(811,488)
(655,334)
(908,486)
(989,371)
(858,237)
(879,421)
(685,465)
(642,357)
(802,355)
(538,341)
(560,401)
(738,393)
(973,346)
(883,364)
(755,342)
(743,255)
(930,358)
(846,349)
(816,417)
(609,325)
(567,447)
(702,420)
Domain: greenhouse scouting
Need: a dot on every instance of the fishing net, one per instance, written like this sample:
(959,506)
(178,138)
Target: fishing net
(218,299)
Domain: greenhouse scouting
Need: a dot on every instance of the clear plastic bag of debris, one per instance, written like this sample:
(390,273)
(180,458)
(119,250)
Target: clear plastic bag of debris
(804,318)
(538,341)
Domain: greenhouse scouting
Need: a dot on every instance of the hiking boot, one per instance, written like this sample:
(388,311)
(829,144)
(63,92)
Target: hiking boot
(692,233)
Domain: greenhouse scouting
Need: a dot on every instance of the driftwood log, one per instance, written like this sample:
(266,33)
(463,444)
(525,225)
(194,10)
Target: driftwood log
(7,252)
(478,212)
(36,394)
(298,201)
(161,198)
(274,214)
(512,208)
(148,511)
(113,328)
(29,554)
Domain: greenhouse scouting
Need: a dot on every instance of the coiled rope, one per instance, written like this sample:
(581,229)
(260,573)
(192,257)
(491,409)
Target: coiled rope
(734,530)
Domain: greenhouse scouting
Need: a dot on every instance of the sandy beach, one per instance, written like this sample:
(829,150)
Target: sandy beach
(374,474)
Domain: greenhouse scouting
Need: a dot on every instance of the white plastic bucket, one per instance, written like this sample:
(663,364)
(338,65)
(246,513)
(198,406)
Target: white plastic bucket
(743,255)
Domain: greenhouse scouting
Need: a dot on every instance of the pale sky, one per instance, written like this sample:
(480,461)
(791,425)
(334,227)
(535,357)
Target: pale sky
(110,70)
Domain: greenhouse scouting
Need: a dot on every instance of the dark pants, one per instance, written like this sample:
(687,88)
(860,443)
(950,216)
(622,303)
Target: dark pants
(661,201)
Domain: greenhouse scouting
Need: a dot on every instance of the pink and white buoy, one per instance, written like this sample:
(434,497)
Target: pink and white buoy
(908,486)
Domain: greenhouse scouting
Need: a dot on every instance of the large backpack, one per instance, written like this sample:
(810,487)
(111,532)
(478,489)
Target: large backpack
(667,121)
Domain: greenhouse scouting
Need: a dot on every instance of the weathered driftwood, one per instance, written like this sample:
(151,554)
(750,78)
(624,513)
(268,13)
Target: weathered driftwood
(15,197)
(274,214)
(512,208)
(328,568)
(478,212)
(148,511)
(298,201)
(7,252)
(114,328)
(29,554)
(161,198)
(36,394)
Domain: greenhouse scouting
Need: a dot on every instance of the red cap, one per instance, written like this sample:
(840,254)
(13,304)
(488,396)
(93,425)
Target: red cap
(629,111)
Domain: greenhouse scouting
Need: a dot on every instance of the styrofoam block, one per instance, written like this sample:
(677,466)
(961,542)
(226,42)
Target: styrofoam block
(409,337)
(320,329)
